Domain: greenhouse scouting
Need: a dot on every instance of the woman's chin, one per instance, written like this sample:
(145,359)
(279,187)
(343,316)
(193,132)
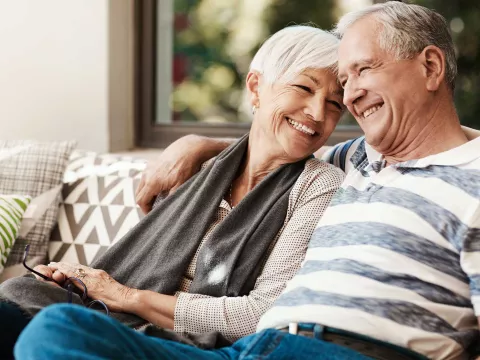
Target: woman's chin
(296,155)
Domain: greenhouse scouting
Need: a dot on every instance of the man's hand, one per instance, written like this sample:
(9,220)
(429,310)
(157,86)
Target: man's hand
(164,175)
(51,273)
(177,163)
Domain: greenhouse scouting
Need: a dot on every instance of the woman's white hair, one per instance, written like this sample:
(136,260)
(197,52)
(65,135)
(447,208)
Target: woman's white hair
(407,30)
(293,50)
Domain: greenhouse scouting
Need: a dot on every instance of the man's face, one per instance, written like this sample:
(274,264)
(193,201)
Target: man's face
(383,94)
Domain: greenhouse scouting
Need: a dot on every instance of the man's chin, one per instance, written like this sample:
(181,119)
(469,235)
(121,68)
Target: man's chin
(374,138)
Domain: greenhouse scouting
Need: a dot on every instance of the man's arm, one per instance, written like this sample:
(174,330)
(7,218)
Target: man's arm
(178,162)
(320,152)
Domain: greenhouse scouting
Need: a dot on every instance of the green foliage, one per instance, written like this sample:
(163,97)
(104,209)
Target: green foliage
(467,43)
(286,12)
(221,36)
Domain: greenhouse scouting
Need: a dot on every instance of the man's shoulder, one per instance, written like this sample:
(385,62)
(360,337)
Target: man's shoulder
(346,155)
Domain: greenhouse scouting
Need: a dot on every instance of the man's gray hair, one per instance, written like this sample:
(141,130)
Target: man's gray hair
(407,30)
(293,50)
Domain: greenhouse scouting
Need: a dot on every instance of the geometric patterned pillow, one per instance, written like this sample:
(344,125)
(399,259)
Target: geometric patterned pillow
(35,169)
(12,208)
(98,206)
(86,163)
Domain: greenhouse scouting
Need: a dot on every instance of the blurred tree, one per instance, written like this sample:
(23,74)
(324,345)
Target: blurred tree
(205,76)
(286,12)
(463,16)
(214,42)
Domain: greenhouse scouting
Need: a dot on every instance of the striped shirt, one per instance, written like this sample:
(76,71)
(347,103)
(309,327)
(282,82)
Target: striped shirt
(396,255)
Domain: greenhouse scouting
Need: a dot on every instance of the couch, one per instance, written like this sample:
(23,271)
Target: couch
(96,208)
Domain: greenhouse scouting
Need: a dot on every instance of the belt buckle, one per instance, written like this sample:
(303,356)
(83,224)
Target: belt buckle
(293,328)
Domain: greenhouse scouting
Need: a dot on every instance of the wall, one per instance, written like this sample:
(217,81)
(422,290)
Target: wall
(56,66)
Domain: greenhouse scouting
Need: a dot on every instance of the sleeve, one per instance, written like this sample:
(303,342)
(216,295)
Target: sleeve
(340,154)
(470,260)
(236,317)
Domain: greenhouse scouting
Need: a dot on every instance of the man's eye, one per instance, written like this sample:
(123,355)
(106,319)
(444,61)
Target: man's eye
(362,69)
(305,88)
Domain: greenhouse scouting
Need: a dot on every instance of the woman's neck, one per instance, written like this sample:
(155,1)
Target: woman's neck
(259,161)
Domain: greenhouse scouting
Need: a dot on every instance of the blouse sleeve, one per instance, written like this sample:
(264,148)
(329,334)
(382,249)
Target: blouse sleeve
(236,317)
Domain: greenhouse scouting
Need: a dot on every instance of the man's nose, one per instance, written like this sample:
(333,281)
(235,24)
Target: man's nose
(352,92)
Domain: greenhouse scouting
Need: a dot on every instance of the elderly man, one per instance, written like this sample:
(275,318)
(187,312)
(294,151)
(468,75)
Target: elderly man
(393,268)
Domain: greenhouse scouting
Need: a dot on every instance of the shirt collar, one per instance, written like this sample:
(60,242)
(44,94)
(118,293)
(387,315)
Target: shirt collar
(459,155)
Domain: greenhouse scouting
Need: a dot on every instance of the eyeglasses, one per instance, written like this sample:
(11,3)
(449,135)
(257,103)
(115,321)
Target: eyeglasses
(68,284)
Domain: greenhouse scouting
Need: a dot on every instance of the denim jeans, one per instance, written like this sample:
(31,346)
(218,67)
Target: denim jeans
(12,322)
(73,332)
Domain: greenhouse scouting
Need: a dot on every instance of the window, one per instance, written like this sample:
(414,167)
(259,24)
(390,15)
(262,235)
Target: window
(192,57)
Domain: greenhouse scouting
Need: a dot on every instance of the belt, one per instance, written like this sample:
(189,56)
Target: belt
(364,345)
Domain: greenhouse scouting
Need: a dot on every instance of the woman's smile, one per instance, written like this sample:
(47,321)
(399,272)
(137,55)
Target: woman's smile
(301,128)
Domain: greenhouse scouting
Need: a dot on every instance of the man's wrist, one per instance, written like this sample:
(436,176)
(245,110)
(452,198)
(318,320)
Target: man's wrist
(206,147)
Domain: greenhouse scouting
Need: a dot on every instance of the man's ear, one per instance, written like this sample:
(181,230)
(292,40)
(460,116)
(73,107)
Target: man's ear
(433,61)
(253,85)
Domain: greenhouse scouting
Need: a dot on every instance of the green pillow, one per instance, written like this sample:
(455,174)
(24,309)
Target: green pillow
(12,208)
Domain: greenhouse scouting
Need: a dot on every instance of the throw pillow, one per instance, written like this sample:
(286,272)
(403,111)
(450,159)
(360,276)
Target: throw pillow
(36,169)
(12,208)
(98,206)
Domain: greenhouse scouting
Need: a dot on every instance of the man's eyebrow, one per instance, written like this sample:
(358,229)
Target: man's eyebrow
(357,64)
(361,62)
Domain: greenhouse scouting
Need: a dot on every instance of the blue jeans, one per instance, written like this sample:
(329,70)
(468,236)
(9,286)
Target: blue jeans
(12,322)
(74,332)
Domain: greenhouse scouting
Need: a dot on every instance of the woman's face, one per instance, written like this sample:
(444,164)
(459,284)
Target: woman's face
(298,117)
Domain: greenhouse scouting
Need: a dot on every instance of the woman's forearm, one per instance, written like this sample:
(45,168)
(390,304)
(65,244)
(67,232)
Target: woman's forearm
(156,308)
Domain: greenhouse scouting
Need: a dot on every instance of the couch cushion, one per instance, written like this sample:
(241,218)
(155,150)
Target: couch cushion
(35,169)
(12,208)
(98,206)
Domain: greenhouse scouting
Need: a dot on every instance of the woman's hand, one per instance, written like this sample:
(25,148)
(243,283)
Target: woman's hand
(100,285)
(51,273)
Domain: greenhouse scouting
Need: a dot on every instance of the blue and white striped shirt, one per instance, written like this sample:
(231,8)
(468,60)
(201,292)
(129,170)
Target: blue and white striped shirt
(396,256)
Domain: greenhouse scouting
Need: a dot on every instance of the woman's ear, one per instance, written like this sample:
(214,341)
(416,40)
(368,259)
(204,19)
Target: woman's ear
(253,85)
(433,61)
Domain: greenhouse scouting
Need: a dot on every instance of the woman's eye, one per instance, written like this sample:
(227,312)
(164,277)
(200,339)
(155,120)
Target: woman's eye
(305,88)
(336,104)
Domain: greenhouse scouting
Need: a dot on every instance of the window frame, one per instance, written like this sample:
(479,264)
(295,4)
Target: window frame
(149,133)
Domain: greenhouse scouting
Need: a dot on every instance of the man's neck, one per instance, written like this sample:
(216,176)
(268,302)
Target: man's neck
(442,133)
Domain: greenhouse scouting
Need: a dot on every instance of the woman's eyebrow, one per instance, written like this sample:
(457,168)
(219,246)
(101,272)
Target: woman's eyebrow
(338,92)
(313,78)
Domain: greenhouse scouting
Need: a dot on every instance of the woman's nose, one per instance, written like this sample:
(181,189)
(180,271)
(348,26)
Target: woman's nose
(315,110)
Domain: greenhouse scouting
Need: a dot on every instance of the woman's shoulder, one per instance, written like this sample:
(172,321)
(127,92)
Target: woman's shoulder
(317,178)
(318,182)
(321,170)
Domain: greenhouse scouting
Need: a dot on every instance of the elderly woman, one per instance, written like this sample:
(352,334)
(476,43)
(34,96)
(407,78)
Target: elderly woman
(214,255)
